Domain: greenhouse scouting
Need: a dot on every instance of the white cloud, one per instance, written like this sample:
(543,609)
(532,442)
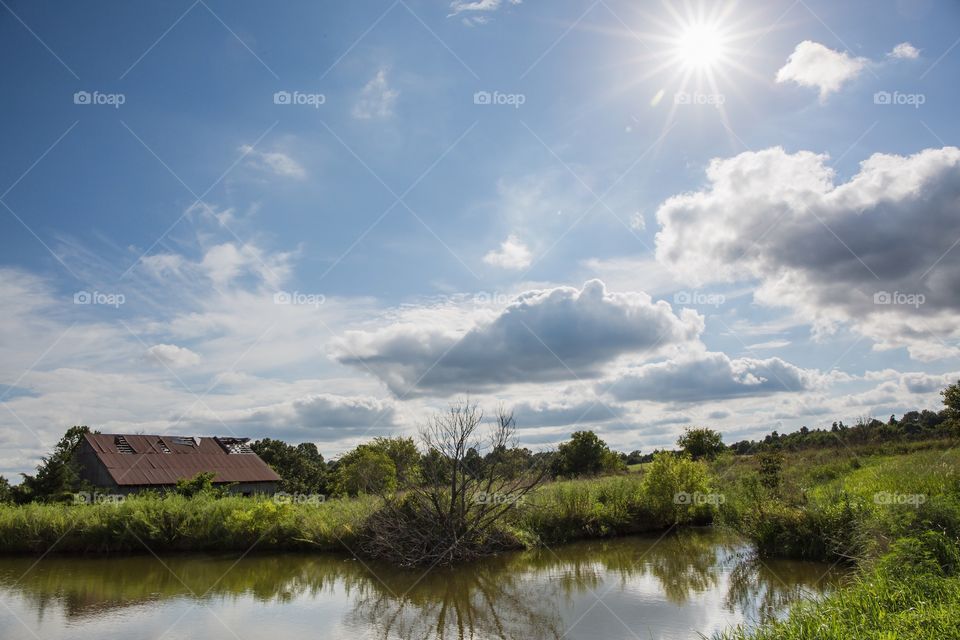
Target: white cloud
(875,252)
(171,355)
(711,376)
(477,7)
(513,254)
(274,162)
(813,65)
(376,99)
(904,51)
(545,335)
(770,344)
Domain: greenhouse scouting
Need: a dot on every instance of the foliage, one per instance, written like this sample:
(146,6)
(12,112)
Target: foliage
(58,476)
(404,455)
(464,513)
(200,484)
(913,592)
(700,443)
(6,491)
(365,470)
(172,522)
(301,467)
(585,454)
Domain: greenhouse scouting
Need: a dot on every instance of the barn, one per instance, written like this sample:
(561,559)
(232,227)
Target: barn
(126,463)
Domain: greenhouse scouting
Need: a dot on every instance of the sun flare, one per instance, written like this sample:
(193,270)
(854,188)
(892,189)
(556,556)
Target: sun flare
(700,47)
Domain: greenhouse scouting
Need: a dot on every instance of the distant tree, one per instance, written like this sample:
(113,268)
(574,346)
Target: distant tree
(634,457)
(6,491)
(771,468)
(365,470)
(701,443)
(434,468)
(404,455)
(58,475)
(951,399)
(585,454)
(301,467)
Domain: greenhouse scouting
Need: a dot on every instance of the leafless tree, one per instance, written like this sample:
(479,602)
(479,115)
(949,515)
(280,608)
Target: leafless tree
(459,509)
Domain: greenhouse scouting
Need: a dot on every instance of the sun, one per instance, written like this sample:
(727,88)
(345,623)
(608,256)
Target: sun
(700,47)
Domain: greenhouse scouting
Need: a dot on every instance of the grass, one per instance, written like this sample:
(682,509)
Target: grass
(897,517)
(913,592)
(177,523)
(894,513)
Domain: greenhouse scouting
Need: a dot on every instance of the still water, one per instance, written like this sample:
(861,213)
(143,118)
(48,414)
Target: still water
(690,583)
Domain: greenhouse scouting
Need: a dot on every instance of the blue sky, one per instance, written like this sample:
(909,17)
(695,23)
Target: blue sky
(665,214)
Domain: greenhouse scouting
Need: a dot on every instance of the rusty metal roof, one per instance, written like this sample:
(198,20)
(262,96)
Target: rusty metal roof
(150,464)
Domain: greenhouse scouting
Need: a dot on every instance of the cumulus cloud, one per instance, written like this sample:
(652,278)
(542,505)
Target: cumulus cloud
(171,355)
(376,98)
(876,251)
(273,162)
(314,417)
(543,413)
(544,335)
(711,376)
(904,51)
(814,65)
(513,254)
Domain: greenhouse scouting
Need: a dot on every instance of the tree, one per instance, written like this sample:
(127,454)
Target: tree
(58,475)
(701,443)
(951,399)
(365,470)
(404,455)
(456,513)
(585,454)
(301,467)
(6,491)
(200,484)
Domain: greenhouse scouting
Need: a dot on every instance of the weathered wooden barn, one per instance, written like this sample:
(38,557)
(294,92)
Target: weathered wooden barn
(125,463)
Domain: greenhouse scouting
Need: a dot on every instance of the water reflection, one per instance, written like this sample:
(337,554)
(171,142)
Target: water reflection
(696,580)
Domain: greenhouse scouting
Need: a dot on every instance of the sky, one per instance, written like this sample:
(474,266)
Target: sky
(324,221)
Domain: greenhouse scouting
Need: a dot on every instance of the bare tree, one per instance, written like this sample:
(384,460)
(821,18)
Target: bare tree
(459,509)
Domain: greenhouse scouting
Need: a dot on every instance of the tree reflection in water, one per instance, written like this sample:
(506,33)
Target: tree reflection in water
(518,595)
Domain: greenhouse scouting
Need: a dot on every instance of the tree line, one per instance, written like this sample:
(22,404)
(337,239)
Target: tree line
(388,463)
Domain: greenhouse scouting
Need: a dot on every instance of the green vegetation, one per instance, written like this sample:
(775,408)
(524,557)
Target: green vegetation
(883,497)
(585,455)
(701,443)
(912,592)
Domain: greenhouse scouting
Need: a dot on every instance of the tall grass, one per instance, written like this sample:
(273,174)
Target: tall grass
(913,592)
(176,523)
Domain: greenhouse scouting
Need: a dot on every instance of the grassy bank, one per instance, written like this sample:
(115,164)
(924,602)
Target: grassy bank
(897,517)
(913,591)
(555,512)
(176,523)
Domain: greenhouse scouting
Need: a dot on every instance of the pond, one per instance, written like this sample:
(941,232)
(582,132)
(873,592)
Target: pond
(690,582)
